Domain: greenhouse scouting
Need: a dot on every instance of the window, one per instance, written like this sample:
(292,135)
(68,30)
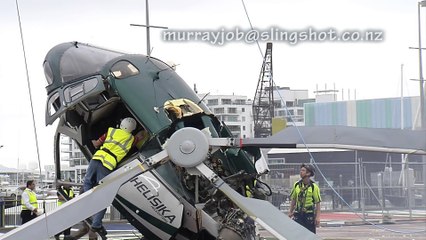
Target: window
(232,118)
(240,101)
(276,160)
(300,112)
(243,110)
(244,128)
(234,128)
(226,101)
(219,110)
(232,110)
(289,104)
(124,69)
(72,93)
(80,61)
(212,102)
(277,104)
(243,119)
(48,73)
(54,103)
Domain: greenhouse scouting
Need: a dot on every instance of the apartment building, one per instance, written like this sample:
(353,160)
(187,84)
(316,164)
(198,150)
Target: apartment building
(73,162)
(288,104)
(234,110)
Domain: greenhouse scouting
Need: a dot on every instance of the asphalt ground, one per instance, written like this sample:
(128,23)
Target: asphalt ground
(371,217)
(334,226)
(405,230)
(374,225)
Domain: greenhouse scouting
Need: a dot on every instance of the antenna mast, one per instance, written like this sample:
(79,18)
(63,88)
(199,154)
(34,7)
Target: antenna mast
(147,26)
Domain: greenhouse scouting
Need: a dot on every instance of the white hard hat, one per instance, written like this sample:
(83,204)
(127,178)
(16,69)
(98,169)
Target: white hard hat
(128,124)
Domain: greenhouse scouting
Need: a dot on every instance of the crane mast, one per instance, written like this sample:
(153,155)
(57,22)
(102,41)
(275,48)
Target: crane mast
(263,104)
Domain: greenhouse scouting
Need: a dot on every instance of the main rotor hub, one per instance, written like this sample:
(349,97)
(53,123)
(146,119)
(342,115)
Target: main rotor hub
(187,147)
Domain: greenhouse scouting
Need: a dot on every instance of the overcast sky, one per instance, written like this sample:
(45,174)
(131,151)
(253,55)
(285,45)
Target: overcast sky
(372,68)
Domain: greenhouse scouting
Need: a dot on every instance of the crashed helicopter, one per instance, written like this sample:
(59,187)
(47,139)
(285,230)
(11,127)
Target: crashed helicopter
(188,179)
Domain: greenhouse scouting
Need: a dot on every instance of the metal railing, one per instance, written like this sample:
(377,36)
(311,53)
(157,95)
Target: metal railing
(10,211)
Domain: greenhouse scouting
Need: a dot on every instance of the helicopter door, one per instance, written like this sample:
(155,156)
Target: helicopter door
(62,99)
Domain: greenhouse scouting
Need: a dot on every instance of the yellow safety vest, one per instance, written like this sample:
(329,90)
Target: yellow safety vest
(33,199)
(69,194)
(117,144)
(306,196)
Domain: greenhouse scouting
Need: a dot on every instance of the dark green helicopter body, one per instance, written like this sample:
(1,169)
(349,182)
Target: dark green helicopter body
(91,89)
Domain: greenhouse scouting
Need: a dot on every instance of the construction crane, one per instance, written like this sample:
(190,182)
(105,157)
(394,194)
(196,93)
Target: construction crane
(263,107)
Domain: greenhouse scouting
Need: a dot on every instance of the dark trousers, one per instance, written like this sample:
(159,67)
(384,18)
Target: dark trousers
(307,220)
(95,172)
(27,216)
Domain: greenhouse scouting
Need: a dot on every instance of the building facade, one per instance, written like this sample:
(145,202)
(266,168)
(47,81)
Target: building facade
(370,113)
(289,105)
(356,175)
(73,162)
(234,110)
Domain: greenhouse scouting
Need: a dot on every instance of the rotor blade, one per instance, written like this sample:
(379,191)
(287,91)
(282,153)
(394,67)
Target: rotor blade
(263,212)
(368,139)
(188,147)
(83,206)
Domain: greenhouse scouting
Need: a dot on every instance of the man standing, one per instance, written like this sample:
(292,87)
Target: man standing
(65,193)
(29,203)
(114,146)
(305,197)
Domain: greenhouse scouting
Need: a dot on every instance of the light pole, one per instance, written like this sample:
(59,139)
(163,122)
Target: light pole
(421,4)
(422,105)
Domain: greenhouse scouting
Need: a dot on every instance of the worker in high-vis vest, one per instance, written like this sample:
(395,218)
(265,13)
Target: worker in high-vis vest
(113,147)
(29,202)
(65,193)
(305,197)
(249,191)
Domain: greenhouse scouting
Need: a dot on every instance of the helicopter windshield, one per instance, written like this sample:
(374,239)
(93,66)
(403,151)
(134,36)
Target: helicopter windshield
(83,61)
(70,62)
